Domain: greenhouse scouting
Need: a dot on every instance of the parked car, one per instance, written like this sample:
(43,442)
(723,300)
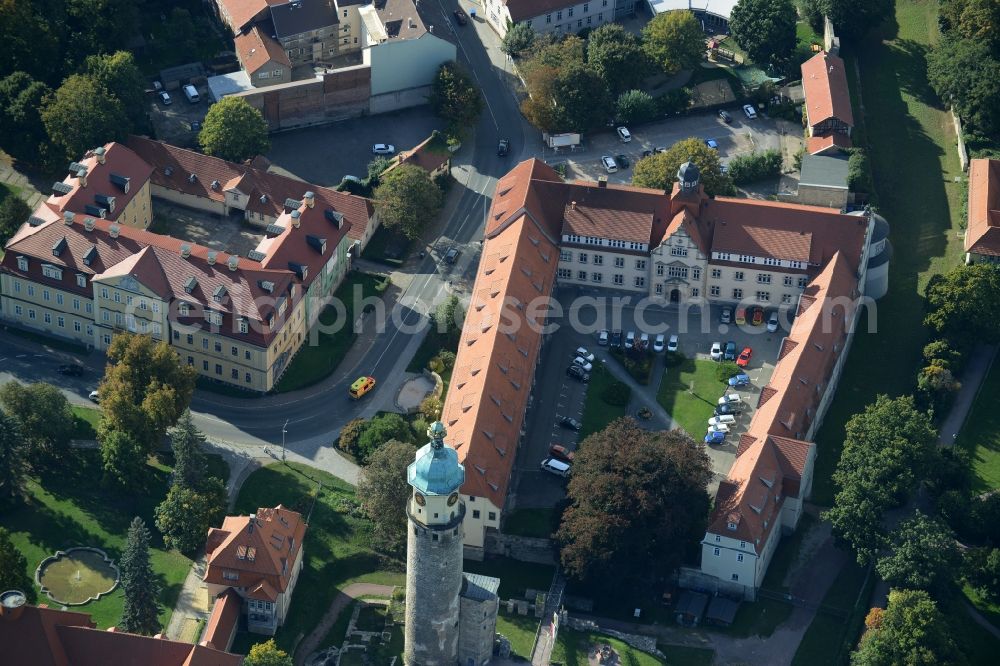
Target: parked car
(672,345)
(191,93)
(616,339)
(728,410)
(460,17)
(165,98)
(630,340)
(715,438)
(744,358)
(741,315)
(757,315)
(578,373)
(572,424)
(658,343)
(750,112)
(712,143)
(716,352)
(383,149)
(560,452)
(195,126)
(503,147)
(725,418)
(624,134)
(772,322)
(623,162)
(70,370)
(730,353)
(584,354)
(739,381)
(95,396)
(557,467)
(726,118)
(609,164)
(647,153)
(583,363)
(730,399)
(451,255)
(726,315)
(643,343)
(602,337)
(718,427)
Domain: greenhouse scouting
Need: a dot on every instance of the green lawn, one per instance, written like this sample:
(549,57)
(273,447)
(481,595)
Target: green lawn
(914,161)
(975,642)
(519,630)
(689,392)
(337,546)
(573,647)
(85,420)
(597,414)
(72,508)
(982,440)
(316,361)
(515,577)
(838,624)
(530,523)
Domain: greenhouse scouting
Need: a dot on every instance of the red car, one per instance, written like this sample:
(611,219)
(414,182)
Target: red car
(560,452)
(744,358)
(758,316)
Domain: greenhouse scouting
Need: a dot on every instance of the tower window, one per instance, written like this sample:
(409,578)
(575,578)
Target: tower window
(434,537)
(435,515)
(475,514)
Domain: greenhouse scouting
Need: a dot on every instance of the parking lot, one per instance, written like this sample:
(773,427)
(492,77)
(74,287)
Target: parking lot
(173,123)
(585,314)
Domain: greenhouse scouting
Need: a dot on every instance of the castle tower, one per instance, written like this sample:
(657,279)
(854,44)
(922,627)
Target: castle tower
(688,177)
(434,554)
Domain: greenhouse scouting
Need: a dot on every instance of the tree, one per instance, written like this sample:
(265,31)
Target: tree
(31,40)
(962,303)
(674,41)
(852,19)
(13,461)
(13,213)
(888,448)
(145,389)
(448,318)
(936,386)
(455,98)
(518,39)
(911,630)
(234,130)
(123,459)
(965,73)
(754,167)
(765,29)
(14,568)
(581,98)
(813,12)
(921,555)
(558,53)
(267,654)
(538,107)
(858,172)
(982,571)
(381,429)
(119,75)
(92,26)
(384,492)
(971,19)
(616,55)
(941,353)
(637,499)
(44,416)
(185,515)
(350,434)
(22,131)
(635,106)
(659,171)
(407,200)
(187,444)
(139,584)
(83,115)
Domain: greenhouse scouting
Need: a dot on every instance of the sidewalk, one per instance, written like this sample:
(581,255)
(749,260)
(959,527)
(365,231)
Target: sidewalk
(192,602)
(27,191)
(972,378)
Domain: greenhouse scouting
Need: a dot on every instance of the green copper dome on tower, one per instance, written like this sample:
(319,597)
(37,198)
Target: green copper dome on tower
(436,470)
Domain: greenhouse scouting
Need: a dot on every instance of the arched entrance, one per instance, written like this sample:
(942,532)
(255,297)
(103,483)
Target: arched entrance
(675,295)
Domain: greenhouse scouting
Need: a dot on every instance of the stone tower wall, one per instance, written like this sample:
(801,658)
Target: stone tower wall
(478,628)
(433,584)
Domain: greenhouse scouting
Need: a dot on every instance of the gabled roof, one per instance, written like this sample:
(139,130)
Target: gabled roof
(261,548)
(223,619)
(982,235)
(122,169)
(256,49)
(242,12)
(824,81)
(828,144)
(298,16)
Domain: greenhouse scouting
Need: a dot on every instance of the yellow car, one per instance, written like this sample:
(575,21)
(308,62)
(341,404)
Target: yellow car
(361,386)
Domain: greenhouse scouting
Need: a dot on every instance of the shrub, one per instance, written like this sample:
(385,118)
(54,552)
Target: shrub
(725,370)
(430,407)
(674,102)
(755,166)
(858,173)
(617,394)
(635,106)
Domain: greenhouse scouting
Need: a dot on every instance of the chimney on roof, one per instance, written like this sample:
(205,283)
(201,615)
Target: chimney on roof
(192,178)
(296,218)
(12,605)
(99,154)
(572,205)
(310,199)
(82,176)
(233,263)
(185,250)
(253,519)
(88,223)
(68,218)
(211,257)
(831,69)
(113,230)
(602,181)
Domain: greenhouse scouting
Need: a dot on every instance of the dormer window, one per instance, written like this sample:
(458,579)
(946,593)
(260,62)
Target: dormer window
(22,263)
(731,526)
(184,309)
(244,326)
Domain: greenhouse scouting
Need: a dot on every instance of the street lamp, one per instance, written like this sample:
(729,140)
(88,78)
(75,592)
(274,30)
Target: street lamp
(284,429)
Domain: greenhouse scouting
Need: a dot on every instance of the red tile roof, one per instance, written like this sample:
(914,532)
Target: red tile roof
(982,236)
(222,620)
(242,12)
(828,144)
(266,192)
(261,548)
(824,82)
(122,169)
(255,50)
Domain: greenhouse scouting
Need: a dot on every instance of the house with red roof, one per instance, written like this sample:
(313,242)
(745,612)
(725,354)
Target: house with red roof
(829,117)
(257,557)
(982,234)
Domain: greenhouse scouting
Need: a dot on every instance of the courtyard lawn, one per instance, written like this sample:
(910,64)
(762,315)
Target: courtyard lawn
(515,577)
(538,523)
(337,546)
(85,420)
(71,508)
(689,393)
(597,413)
(980,435)
(837,625)
(322,352)
(914,162)
(519,630)
(572,648)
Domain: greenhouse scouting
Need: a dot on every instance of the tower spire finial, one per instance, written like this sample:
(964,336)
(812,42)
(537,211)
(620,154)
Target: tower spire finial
(436,433)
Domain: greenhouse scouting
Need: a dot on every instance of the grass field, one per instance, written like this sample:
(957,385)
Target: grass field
(914,162)
(337,547)
(515,577)
(691,409)
(72,508)
(530,523)
(982,439)
(837,625)
(316,361)
(85,420)
(597,414)
(519,630)
(573,648)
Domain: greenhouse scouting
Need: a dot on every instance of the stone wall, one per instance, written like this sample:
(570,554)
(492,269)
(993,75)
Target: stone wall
(521,548)
(337,95)
(645,643)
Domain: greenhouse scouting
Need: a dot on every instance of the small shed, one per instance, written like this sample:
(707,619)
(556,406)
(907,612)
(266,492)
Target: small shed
(722,611)
(181,75)
(823,181)
(690,608)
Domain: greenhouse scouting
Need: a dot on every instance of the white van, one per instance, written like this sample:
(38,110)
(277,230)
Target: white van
(191,93)
(557,467)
